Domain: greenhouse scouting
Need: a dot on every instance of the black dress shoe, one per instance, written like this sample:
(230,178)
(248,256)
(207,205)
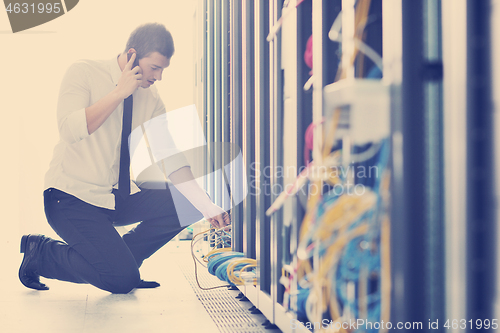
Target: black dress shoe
(30,246)
(147,284)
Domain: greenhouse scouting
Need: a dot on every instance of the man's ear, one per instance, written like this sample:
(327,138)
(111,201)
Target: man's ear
(131,50)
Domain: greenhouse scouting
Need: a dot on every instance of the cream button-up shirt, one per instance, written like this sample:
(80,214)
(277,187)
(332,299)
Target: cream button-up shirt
(87,166)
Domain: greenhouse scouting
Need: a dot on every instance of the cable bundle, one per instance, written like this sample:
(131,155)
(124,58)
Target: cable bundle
(216,260)
(237,271)
(343,263)
(227,265)
(348,234)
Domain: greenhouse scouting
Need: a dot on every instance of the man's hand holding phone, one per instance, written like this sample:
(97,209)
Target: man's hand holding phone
(131,78)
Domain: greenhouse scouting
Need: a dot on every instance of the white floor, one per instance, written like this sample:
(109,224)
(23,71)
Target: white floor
(72,308)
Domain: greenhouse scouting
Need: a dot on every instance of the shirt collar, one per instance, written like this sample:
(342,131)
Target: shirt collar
(115,70)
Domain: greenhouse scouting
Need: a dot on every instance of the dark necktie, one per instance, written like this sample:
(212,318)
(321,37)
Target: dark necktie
(124,175)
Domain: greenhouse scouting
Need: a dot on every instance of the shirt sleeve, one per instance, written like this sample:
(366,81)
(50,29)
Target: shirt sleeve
(74,97)
(161,143)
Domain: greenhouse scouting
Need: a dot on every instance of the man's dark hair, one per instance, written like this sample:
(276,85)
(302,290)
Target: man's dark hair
(149,38)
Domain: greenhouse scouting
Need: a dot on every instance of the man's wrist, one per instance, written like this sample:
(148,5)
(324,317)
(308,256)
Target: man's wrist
(118,94)
(203,204)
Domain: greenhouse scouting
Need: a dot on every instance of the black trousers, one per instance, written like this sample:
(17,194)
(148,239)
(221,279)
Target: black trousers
(94,252)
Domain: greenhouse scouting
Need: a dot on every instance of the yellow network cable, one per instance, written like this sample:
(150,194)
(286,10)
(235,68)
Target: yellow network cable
(329,263)
(215,251)
(360,20)
(346,210)
(333,253)
(231,274)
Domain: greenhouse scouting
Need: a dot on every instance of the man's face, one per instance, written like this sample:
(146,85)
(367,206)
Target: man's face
(152,68)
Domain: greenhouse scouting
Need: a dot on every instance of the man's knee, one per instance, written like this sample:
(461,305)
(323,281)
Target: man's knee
(123,283)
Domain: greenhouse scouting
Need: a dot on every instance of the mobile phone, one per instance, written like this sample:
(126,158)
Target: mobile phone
(136,61)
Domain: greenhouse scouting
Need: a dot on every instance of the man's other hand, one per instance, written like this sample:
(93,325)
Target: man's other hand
(217,217)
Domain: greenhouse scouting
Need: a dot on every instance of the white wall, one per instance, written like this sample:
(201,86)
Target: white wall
(32,65)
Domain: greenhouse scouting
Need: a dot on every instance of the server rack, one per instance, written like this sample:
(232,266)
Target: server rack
(269,114)
(262,159)
(251,93)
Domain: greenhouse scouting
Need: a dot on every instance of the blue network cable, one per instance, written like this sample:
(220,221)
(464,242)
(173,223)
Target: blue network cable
(217,259)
